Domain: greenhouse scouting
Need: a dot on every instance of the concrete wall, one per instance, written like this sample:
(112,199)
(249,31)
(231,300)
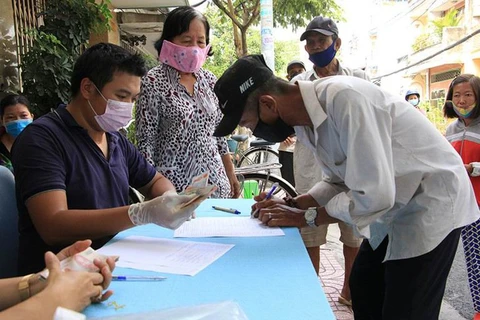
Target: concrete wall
(112,36)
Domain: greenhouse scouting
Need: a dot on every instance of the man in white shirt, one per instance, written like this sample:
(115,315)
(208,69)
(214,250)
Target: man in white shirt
(322,43)
(388,173)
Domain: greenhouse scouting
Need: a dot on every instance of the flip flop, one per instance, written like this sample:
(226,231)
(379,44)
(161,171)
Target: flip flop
(344,301)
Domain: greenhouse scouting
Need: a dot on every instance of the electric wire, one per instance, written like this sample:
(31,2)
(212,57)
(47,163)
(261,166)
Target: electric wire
(453,45)
(198,4)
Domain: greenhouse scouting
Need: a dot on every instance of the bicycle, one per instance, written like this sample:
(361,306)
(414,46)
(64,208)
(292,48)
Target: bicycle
(260,151)
(258,169)
(258,178)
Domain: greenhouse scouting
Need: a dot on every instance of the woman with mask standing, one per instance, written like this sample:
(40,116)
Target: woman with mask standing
(464,135)
(15,115)
(178,110)
(413,97)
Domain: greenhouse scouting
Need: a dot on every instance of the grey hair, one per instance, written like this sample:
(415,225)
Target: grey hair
(274,85)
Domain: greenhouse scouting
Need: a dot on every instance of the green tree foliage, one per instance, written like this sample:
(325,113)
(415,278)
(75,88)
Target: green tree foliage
(434,32)
(47,66)
(224,51)
(450,19)
(286,13)
(8,62)
(150,62)
(434,111)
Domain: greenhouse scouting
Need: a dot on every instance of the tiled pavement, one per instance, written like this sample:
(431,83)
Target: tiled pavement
(331,277)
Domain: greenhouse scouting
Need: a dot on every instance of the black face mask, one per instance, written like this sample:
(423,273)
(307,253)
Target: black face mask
(277,132)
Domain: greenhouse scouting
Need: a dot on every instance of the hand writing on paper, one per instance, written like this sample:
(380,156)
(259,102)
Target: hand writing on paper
(280,215)
(263,203)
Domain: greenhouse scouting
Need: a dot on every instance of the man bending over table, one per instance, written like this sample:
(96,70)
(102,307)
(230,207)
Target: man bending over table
(388,173)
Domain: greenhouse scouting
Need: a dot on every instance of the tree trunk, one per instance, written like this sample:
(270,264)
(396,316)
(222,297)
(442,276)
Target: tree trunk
(244,42)
(237,40)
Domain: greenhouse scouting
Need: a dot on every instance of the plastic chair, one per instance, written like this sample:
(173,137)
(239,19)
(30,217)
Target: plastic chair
(250,189)
(8,224)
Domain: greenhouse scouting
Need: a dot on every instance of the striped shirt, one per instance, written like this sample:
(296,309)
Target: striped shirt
(466,140)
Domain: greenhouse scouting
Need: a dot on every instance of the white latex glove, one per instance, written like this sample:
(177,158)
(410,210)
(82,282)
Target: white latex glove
(165,210)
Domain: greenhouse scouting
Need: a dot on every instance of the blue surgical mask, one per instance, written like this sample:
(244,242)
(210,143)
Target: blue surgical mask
(14,128)
(413,102)
(323,58)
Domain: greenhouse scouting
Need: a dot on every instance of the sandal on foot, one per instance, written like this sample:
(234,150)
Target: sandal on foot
(344,301)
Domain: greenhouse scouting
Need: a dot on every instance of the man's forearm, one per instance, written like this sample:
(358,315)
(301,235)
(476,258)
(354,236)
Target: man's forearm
(158,186)
(71,225)
(305,201)
(323,217)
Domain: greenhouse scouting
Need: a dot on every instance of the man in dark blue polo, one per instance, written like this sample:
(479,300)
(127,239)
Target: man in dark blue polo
(73,169)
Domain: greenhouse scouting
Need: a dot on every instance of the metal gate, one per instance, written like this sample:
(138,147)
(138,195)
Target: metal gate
(25,14)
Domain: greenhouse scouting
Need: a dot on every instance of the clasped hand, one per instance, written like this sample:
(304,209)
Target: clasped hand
(75,290)
(275,213)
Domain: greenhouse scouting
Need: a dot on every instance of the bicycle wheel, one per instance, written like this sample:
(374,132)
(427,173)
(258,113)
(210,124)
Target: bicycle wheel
(265,182)
(259,156)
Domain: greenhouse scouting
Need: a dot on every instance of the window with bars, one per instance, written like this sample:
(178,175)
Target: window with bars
(443,76)
(25,18)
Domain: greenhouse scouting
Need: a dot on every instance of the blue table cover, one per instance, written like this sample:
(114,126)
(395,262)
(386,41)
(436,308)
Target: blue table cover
(269,277)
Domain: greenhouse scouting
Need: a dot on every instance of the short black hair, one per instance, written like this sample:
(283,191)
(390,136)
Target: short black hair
(475,83)
(178,21)
(100,62)
(11,100)
(273,86)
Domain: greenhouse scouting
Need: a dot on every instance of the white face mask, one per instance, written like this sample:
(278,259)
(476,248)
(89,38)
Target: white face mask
(116,116)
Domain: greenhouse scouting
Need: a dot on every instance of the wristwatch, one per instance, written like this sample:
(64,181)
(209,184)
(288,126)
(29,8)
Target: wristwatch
(310,216)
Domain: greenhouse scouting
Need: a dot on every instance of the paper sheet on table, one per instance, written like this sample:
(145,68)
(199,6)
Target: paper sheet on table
(226,227)
(165,255)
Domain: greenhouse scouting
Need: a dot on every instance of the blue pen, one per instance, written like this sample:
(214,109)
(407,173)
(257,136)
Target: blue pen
(137,278)
(269,195)
(234,211)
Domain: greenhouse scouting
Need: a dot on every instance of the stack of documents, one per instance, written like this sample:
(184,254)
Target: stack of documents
(165,255)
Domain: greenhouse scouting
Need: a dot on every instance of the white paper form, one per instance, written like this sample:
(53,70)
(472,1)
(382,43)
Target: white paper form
(226,227)
(165,255)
